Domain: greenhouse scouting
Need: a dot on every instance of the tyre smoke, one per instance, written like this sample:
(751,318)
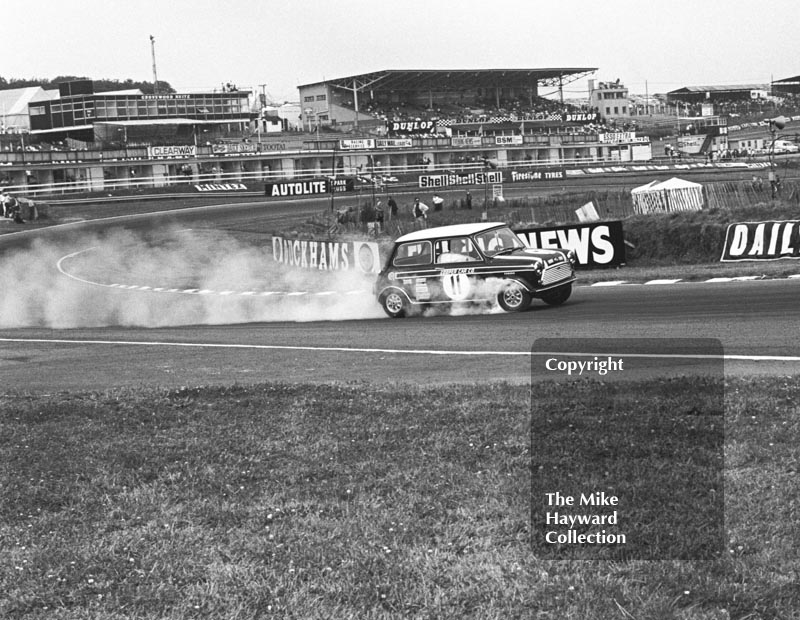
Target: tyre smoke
(175,277)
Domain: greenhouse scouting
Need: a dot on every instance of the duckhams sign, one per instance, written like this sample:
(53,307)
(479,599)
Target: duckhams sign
(597,244)
(359,256)
(770,240)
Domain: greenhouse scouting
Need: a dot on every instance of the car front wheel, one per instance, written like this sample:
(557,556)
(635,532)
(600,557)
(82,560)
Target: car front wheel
(514,298)
(394,304)
(557,296)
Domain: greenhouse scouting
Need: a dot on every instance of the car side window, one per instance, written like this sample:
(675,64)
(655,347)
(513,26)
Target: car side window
(413,254)
(456,250)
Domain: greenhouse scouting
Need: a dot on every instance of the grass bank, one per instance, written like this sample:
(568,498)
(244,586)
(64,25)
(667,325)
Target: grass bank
(357,501)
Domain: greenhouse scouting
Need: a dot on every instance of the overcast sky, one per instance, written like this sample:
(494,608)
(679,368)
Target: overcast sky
(649,45)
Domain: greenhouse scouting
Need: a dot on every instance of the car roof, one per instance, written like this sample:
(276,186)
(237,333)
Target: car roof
(454,230)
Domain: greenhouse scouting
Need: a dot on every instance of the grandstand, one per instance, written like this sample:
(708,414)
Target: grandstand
(370,101)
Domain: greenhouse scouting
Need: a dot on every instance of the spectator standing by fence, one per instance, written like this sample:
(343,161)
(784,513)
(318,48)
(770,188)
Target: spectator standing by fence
(379,218)
(438,201)
(392,208)
(368,218)
(420,212)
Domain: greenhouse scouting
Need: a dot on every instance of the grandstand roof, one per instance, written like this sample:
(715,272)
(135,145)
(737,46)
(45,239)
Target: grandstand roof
(788,80)
(458,78)
(718,88)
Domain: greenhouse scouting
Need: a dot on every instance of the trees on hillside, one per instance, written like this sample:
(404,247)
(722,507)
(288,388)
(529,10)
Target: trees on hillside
(100,86)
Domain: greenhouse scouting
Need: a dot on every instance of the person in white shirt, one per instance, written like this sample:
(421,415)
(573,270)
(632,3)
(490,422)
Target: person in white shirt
(420,213)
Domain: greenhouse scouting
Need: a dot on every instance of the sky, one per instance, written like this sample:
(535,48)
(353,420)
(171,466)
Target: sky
(273,46)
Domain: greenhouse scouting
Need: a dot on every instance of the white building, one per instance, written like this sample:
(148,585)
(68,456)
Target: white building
(14,107)
(611,99)
(289,113)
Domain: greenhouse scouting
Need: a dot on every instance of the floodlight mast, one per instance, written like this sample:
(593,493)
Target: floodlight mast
(153,53)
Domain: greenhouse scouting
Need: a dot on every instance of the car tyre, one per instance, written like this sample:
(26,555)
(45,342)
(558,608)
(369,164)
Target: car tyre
(394,304)
(557,296)
(514,298)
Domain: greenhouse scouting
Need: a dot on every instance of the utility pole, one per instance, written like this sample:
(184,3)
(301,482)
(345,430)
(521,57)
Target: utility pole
(155,75)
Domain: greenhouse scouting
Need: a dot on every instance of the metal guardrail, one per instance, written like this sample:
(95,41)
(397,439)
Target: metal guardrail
(382,176)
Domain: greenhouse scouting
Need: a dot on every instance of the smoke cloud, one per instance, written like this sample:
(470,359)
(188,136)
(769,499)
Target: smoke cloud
(173,278)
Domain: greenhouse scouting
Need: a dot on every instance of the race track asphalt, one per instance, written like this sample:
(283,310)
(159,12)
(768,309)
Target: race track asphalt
(755,321)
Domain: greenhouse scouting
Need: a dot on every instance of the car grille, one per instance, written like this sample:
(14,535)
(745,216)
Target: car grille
(556,273)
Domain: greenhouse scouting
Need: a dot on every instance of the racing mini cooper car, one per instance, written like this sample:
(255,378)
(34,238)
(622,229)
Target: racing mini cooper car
(471,263)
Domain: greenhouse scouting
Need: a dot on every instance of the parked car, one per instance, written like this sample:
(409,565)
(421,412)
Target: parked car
(784,146)
(470,264)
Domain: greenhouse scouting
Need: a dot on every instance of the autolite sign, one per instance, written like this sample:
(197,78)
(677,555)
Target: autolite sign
(596,244)
(770,240)
(297,188)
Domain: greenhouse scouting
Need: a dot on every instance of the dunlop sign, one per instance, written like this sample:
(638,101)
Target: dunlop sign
(597,244)
(770,240)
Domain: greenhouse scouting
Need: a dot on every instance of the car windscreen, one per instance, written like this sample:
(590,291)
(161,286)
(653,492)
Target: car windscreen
(498,240)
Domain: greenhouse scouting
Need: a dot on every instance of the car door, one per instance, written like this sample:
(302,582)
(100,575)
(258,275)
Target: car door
(455,260)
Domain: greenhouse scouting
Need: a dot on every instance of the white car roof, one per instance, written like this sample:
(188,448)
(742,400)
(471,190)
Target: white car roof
(454,230)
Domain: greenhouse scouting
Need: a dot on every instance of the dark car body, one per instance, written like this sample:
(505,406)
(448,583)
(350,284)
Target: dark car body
(471,263)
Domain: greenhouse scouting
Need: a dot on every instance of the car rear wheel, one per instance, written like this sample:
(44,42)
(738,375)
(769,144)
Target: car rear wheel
(557,296)
(394,304)
(514,298)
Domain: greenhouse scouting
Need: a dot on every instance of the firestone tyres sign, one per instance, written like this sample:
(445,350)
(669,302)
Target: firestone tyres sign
(596,244)
(539,175)
(770,240)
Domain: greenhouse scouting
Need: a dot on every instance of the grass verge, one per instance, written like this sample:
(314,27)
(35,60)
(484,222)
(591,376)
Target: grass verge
(353,501)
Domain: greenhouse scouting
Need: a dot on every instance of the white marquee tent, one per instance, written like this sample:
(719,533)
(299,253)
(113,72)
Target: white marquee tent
(667,196)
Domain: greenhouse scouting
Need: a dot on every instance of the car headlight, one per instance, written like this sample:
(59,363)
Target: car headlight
(538,266)
(572,256)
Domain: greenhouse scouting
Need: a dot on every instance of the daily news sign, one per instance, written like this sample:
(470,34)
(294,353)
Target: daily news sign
(770,240)
(597,244)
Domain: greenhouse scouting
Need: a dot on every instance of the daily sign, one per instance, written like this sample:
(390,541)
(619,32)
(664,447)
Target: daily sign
(770,240)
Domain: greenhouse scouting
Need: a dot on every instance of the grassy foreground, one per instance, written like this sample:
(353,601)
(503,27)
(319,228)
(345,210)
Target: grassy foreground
(355,501)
